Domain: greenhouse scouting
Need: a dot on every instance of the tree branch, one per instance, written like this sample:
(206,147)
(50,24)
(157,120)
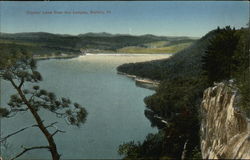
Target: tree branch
(14,111)
(32,96)
(14,133)
(57,132)
(60,115)
(51,125)
(13,83)
(28,149)
(19,110)
(21,83)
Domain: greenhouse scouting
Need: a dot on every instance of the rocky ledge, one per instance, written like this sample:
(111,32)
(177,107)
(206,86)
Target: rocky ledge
(225,131)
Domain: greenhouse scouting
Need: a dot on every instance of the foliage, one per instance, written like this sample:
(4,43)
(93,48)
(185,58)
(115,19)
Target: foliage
(173,96)
(196,153)
(242,70)
(130,149)
(177,102)
(244,88)
(219,62)
(150,148)
(227,57)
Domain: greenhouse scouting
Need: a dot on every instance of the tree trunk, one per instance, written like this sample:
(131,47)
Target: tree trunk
(49,137)
(184,151)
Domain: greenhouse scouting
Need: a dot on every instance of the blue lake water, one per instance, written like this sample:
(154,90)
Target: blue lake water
(114,103)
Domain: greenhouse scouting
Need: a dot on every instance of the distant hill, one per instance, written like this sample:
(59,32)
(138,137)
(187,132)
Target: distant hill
(186,63)
(102,34)
(46,43)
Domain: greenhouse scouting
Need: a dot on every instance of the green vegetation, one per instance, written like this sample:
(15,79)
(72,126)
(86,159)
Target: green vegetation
(45,43)
(218,63)
(150,148)
(227,57)
(186,63)
(157,44)
(166,49)
(19,68)
(176,102)
(242,71)
(220,55)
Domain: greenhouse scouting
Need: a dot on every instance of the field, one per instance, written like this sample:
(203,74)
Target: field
(156,48)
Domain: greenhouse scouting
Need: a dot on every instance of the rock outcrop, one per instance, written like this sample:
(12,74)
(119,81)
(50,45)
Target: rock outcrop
(225,131)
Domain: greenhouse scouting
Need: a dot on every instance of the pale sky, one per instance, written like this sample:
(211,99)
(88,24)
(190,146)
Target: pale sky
(166,18)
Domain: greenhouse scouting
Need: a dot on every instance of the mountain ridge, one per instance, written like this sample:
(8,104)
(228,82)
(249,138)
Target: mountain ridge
(104,34)
(49,43)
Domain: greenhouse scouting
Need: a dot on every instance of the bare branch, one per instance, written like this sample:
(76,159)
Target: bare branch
(16,132)
(28,149)
(60,115)
(51,125)
(57,132)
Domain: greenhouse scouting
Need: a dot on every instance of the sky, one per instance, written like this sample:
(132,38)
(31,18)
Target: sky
(165,18)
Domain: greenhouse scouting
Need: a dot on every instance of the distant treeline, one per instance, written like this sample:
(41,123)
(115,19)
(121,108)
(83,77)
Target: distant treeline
(47,43)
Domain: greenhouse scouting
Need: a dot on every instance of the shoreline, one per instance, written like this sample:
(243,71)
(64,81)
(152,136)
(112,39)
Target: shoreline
(122,54)
(36,57)
(142,82)
(55,57)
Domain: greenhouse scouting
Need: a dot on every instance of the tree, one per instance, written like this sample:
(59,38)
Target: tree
(218,62)
(174,110)
(242,69)
(227,57)
(18,67)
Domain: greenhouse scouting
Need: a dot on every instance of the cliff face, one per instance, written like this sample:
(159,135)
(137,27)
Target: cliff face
(225,132)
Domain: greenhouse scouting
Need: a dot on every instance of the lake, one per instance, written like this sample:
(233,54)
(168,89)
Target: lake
(114,103)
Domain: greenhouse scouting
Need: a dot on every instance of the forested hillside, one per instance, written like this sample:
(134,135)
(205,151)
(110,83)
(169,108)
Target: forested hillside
(184,63)
(221,55)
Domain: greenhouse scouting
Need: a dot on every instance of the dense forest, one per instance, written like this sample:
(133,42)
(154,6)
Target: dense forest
(221,55)
(41,43)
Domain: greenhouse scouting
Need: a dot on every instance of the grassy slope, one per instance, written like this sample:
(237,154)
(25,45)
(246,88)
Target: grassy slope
(184,63)
(157,49)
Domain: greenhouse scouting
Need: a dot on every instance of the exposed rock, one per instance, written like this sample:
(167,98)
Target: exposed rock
(225,131)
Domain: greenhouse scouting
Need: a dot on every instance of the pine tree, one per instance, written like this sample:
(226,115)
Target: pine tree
(218,62)
(18,67)
(242,69)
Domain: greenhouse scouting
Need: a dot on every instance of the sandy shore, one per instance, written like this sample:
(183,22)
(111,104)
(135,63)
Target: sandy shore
(55,57)
(142,82)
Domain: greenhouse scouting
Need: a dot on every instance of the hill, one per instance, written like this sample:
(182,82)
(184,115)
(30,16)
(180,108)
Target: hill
(41,43)
(184,63)
(175,107)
